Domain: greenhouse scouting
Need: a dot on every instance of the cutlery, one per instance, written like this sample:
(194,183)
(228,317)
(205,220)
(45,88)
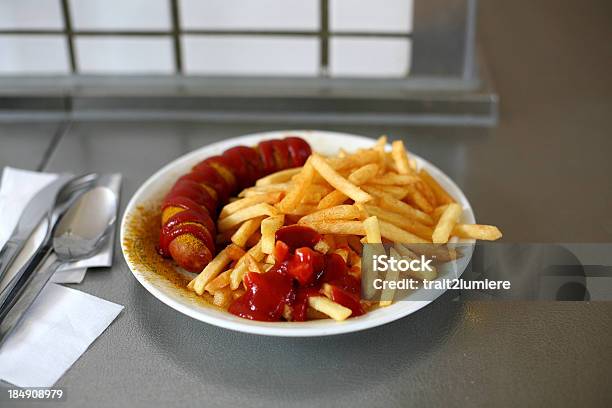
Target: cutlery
(79,234)
(62,200)
(30,219)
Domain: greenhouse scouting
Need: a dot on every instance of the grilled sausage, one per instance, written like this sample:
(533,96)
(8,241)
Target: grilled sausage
(188,210)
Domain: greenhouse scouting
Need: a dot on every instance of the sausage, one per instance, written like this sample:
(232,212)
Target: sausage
(190,208)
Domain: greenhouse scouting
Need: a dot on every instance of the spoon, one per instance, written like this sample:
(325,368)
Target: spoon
(80,233)
(64,198)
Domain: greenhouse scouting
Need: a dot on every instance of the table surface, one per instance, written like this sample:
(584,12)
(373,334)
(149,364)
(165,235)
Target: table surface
(542,175)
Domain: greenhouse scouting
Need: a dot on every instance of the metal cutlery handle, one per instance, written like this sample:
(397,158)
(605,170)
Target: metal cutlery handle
(7,256)
(22,276)
(12,312)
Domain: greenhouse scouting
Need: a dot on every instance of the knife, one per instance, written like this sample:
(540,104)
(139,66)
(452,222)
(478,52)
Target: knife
(62,200)
(30,218)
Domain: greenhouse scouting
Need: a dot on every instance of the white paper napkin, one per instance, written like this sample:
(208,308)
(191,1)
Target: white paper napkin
(58,329)
(62,322)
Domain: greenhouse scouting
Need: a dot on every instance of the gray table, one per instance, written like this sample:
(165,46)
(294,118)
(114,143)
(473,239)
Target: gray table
(542,175)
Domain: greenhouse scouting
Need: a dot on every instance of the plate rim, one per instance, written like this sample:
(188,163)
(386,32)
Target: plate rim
(282,329)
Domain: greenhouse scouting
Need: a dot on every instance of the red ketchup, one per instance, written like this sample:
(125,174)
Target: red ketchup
(299,273)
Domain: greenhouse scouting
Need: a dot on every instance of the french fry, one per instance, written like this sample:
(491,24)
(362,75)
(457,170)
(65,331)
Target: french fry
(445,225)
(394,179)
(400,157)
(253,239)
(237,274)
(394,191)
(332,199)
(408,224)
(252,264)
(269,226)
(241,267)
(222,280)
(339,212)
(419,200)
(244,214)
(337,227)
(214,268)
(244,232)
(222,298)
(396,234)
(332,309)
(442,197)
(235,252)
(381,143)
(427,192)
(387,294)
(278,177)
(296,193)
(269,198)
(315,193)
(390,203)
(337,181)
(477,231)
(363,174)
(372,229)
(438,211)
(358,159)
(301,210)
(268,188)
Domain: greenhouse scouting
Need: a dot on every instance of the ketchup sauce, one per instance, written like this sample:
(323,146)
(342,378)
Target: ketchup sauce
(299,273)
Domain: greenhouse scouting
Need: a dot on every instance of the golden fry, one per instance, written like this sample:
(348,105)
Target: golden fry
(363,174)
(337,181)
(221,281)
(269,226)
(396,234)
(390,203)
(214,268)
(408,224)
(269,198)
(337,227)
(400,157)
(395,179)
(477,231)
(332,309)
(240,216)
(278,177)
(372,229)
(332,199)
(419,200)
(269,188)
(339,212)
(296,193)
(445,225)
(242,234)
(442,197)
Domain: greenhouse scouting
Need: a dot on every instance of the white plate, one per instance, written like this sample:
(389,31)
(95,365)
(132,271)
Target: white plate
(323,142)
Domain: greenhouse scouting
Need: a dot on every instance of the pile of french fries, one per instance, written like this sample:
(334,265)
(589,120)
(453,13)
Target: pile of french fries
(367,196)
